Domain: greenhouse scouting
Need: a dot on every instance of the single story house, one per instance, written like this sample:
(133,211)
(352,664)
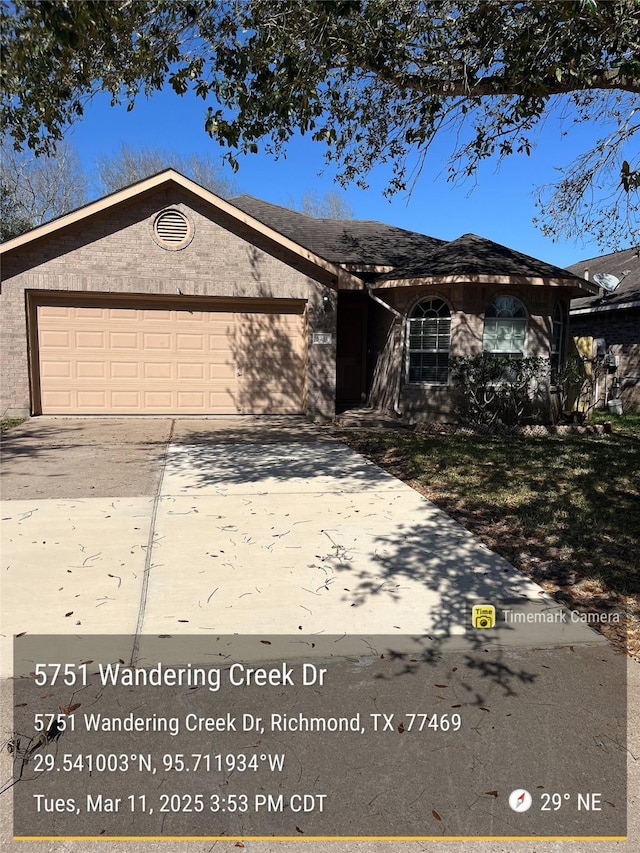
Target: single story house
(163,298)
(612,318)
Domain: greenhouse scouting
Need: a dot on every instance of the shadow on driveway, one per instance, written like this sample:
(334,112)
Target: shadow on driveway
(57,458)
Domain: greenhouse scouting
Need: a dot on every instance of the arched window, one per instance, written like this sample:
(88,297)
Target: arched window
(557,340)
(428,337)
(505,327)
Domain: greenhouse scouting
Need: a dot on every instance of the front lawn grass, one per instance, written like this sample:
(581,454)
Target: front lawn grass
(7,423)
(564,509)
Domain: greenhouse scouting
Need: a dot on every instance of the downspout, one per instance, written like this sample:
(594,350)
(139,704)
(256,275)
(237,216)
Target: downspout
(403,321)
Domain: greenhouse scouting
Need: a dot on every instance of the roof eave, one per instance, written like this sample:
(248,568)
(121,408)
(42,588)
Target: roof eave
(596,309)
(356,266)
(578,287)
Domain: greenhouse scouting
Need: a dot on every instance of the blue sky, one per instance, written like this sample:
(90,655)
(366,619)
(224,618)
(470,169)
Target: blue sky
(499,205)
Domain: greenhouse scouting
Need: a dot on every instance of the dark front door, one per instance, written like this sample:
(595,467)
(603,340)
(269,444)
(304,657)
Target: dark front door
(351,360)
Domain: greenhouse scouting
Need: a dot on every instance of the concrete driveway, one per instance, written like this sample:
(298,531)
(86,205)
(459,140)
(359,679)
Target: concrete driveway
(146,527)
(143,528)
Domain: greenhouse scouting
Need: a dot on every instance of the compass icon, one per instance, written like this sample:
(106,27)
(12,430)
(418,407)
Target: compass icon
(520,800)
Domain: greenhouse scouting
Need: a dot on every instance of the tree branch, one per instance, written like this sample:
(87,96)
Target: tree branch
(497,85)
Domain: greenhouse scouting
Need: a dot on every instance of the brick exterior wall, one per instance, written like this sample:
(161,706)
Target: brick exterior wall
(621,332)
(114,252)
(467,302)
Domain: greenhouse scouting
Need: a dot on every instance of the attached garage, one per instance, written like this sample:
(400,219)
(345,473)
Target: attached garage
(112,355)
(165,299)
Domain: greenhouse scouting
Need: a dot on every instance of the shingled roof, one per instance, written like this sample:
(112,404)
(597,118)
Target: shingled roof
(343,241)
(348,250)
(478,257)
(409,254)
(616,263)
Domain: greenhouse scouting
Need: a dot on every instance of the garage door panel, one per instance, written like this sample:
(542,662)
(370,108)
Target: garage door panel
(124,369)
(55,311)
(190,342)
(158,370)
(122,341)
(160,341)
(143,360)
(55,340)
(218,344)
(90,340)
(124,315)
(158,400)
(90,313)
(186,372)
(222,401)
(192,400)
(125,399)
(91,399)
(58,401)
(56,369)
(90,370)
(222,372)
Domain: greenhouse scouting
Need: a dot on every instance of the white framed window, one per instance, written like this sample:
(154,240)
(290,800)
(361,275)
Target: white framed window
(505,328)
(428,340)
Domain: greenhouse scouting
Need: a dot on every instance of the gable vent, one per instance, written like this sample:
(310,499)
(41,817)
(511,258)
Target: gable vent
(172,229)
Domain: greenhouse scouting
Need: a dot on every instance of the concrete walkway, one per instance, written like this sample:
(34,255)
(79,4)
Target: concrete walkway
(146,527)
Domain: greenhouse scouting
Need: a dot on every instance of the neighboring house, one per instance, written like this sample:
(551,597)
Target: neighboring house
(612,317)
(164,299)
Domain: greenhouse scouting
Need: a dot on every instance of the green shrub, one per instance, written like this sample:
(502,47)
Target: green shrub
(490,389)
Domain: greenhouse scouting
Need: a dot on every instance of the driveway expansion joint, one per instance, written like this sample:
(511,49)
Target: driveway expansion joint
(149,551)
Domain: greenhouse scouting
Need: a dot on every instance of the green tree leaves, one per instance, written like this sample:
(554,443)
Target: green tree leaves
(375,81)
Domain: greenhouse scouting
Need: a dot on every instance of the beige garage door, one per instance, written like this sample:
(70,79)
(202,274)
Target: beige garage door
(110,358)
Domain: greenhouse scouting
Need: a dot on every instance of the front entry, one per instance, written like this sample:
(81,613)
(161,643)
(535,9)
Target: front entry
(351,355)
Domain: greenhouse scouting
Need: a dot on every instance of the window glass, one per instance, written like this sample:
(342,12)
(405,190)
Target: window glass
(428,338)
(505,327)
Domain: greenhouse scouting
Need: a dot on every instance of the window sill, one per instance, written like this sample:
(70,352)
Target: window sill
(426,384)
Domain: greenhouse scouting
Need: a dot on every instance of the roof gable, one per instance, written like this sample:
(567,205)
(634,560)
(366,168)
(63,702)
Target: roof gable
(299,256)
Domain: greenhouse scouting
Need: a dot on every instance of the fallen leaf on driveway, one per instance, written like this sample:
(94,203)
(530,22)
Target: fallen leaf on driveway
(435,814)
